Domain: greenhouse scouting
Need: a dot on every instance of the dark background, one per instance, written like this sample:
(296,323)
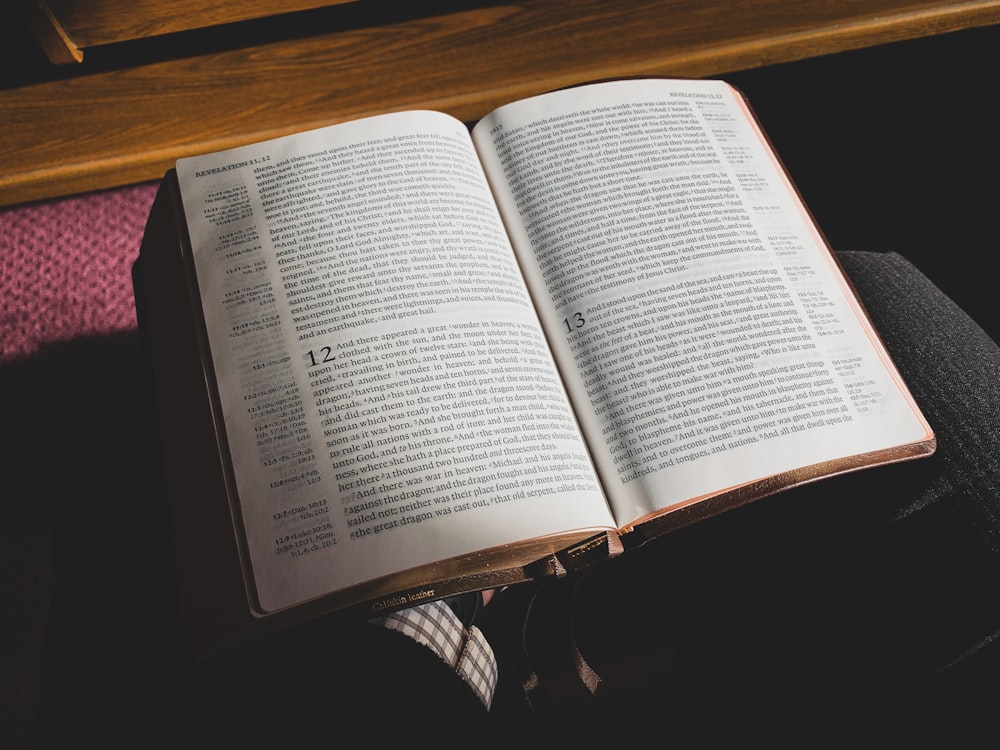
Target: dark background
(895,148)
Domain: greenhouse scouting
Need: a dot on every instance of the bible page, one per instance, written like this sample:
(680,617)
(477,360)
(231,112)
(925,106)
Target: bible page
(702,325)
(386,389)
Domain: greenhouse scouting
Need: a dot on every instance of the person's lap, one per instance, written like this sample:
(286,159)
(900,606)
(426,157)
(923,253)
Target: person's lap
(866,599)
(871,595)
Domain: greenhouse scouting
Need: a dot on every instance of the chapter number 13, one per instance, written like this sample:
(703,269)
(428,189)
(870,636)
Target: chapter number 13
(574,322)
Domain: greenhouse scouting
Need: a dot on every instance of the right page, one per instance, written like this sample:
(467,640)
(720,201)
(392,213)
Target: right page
(712,347)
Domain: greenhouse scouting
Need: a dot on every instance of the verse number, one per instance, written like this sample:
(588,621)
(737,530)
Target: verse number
(574,322)
(321,356)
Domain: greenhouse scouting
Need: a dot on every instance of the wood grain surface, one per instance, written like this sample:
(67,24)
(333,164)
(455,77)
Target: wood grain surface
(118,124)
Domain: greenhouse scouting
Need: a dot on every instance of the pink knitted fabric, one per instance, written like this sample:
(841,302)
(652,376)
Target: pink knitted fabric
(65,267)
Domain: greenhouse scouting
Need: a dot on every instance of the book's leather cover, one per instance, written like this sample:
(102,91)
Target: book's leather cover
(216,580)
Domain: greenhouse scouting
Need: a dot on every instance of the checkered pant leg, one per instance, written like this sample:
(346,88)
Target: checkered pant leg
(467,651)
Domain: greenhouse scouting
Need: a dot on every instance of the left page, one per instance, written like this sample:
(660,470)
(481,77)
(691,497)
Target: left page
(385,386)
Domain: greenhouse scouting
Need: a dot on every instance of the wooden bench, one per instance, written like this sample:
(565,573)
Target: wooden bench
(113,121)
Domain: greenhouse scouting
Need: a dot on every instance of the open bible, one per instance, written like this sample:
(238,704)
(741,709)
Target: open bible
(397,359)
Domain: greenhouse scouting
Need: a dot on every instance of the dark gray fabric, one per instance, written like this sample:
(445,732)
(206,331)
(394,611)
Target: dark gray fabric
(953,370)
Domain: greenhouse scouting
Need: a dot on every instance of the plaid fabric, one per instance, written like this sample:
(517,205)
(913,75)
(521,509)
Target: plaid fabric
(436,626)
(478,665)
